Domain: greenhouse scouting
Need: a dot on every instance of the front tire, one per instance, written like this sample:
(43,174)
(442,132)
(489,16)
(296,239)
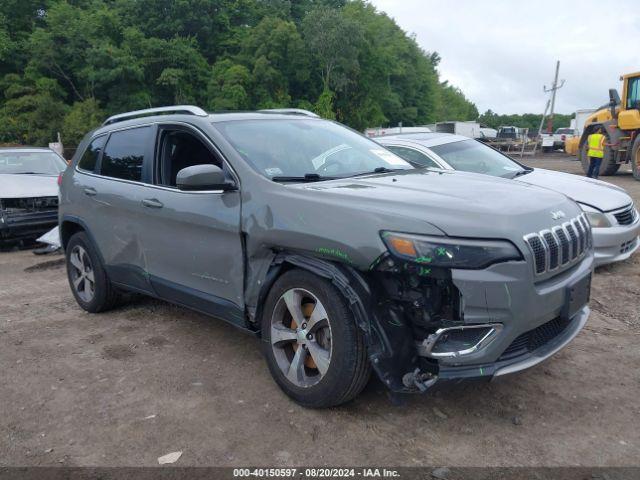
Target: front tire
(87,278)
(313,347)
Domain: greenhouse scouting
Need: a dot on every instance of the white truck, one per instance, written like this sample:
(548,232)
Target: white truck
(556,141)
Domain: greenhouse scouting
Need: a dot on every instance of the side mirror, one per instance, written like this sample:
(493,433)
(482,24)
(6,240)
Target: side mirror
(203,177)
(614,100)
(614,97)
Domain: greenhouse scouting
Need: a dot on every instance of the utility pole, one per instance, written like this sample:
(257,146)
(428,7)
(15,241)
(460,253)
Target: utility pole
(538,137)
(544,115)
(553,91)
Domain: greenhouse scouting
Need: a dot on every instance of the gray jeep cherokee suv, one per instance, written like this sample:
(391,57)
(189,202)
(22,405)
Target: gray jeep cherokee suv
(334,250)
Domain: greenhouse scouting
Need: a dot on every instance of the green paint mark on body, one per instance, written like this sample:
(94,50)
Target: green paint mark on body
(334,252)
(424,260)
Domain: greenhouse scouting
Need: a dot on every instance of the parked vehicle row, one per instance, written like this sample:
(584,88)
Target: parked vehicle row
(339,254)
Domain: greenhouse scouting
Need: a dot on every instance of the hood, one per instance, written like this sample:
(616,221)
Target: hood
(19,186)
(598,194)
(458,203)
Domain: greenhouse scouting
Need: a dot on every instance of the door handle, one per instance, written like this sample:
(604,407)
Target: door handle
(152,203)
(90,191)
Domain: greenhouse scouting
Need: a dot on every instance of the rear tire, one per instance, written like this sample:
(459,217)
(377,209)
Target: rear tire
(87,278)
(635,158)
(608,166)
(321,362)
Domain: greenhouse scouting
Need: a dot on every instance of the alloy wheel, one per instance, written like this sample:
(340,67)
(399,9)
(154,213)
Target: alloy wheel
(301,337)
(82,275)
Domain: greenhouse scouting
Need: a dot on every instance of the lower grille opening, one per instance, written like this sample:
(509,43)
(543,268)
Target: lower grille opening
(628,246)
(536,338)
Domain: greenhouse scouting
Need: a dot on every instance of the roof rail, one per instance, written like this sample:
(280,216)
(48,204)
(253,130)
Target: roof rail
(184,109)
(290,111)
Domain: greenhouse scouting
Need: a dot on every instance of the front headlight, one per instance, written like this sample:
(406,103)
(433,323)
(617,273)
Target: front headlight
(597,219)
(449,252)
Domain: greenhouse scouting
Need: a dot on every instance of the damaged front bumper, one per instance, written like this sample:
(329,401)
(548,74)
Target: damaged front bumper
(507,321)
(25,224)
(524,360)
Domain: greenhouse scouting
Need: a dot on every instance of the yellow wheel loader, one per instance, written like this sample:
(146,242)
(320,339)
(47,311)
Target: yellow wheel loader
(620,121)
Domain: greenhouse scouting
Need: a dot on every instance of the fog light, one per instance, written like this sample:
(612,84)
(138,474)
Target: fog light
(458,341)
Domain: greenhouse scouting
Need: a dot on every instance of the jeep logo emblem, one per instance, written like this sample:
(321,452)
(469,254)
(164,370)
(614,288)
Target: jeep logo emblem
(557,215)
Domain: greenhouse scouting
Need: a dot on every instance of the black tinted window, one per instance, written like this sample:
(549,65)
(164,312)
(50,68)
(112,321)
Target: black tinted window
(124,154)
(91,154)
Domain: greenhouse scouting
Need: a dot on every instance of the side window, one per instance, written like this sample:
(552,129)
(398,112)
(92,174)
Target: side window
(180,149)
(413,156)
(633,96)
(91,154)
(124,154)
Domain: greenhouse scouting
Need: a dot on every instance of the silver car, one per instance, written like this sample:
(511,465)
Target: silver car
(28,192)
(613,216)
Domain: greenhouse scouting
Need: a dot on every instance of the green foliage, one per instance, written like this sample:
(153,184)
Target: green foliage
(32,112)
(334,40)
(66,64)
(453,105)
(228,87)
(525,120)
(82,117)
(324,105)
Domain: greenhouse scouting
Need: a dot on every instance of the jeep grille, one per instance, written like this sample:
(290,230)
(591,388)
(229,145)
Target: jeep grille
(561,245)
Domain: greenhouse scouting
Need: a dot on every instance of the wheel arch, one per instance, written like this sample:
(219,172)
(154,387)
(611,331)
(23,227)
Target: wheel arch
(346,279)
(69,226)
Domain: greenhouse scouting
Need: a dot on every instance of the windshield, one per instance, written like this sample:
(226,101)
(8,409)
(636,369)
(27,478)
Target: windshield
(299,148)
(565,131)
(473,156)
(45,163)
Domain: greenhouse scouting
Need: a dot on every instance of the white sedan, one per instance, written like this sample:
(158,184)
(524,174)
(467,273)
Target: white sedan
(613,216)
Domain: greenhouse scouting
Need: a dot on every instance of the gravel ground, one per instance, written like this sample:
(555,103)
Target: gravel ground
(125,387)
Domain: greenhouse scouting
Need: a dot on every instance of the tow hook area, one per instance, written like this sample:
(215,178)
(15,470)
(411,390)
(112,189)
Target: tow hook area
(420,380)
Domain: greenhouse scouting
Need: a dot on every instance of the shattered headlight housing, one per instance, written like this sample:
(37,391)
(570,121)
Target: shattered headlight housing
(446,252)
(597,219)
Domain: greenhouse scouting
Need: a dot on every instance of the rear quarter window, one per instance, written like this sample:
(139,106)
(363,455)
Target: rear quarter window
(90,156)
(124,154)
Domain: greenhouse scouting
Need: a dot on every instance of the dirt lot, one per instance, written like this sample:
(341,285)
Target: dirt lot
(126,387)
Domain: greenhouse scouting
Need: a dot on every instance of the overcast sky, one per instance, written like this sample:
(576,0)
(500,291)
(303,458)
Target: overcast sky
(501,53)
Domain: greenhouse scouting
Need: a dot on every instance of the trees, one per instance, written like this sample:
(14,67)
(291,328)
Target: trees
(525,120)
(66,64)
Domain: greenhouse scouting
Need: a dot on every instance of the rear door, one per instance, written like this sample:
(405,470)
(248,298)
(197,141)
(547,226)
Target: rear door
(113,195)
(191,239)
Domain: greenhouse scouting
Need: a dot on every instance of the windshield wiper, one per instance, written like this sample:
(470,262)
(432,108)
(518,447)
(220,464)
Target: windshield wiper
(378,170)
(307,177)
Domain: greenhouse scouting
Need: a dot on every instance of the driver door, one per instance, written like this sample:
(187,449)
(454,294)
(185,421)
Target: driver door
(192,242)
